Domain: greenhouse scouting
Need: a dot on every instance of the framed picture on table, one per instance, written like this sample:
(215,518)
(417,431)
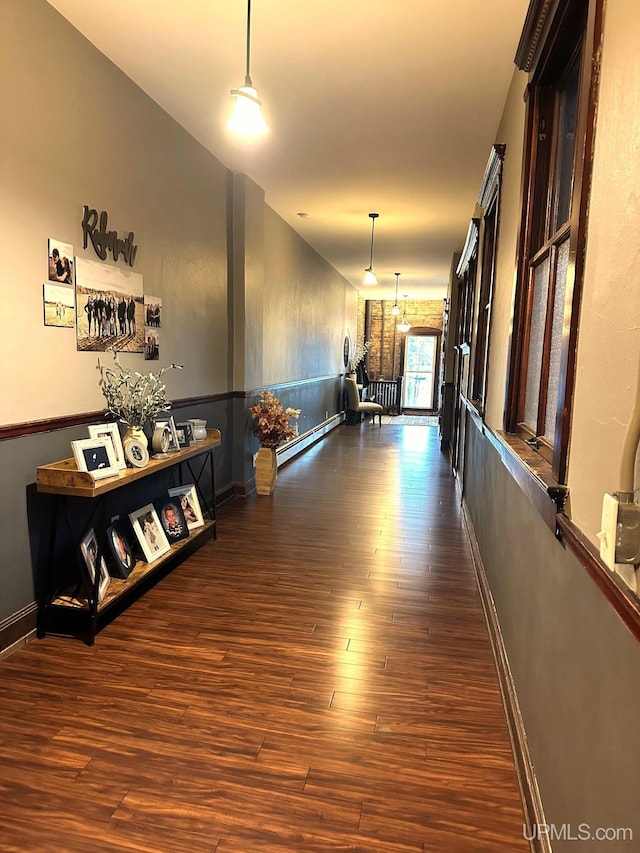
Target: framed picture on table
(149,532)
(95,456)
(190,504)
(89,551)
(112,432)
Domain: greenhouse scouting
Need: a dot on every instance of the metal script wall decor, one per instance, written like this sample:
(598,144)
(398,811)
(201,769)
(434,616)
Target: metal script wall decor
(103,240)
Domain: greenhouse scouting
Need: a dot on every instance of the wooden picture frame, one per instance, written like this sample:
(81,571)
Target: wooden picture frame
(89,551)
(149,533)
(95,456)
(190,504)
(112,432)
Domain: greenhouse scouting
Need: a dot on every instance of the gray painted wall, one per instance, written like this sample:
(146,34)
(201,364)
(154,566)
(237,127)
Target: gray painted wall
(574,663)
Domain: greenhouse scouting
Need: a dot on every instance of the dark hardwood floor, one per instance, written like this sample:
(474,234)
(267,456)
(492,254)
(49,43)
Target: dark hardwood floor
(318,679)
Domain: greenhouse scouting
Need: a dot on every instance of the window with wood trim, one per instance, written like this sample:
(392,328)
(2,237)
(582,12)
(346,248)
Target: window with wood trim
(559,47)
(489,201)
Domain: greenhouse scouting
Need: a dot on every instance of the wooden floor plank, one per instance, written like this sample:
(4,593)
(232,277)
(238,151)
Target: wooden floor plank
(317,679)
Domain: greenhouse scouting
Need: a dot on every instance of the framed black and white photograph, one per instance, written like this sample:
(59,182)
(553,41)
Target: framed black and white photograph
(95,456)
(123,560)
(189,503)
(168,421)
(60,261)
(109,307)
(112,433)
(149,533)
(89,551)
(184,434)
(151,344)
(152,311)
(58,304)
(172,518)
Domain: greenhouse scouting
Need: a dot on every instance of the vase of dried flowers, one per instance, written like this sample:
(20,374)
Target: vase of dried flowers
(272,427)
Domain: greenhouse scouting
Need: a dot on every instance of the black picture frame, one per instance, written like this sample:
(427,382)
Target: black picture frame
(172,518)
(123,561)
(184,433)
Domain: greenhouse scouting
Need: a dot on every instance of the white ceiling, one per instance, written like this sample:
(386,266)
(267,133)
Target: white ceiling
(385,106)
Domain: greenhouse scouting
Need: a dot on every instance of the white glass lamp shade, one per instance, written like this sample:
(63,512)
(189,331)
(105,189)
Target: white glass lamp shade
(247,118)
(404,326)
(369,277)
(395,310)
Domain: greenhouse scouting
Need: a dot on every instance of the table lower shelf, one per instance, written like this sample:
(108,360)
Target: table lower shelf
(77,607)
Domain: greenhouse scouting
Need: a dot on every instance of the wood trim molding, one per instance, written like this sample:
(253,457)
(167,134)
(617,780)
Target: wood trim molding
(470,246)
(18,629)
(65,421)
(624,602)
(529,790)
(536,23)
(491,175)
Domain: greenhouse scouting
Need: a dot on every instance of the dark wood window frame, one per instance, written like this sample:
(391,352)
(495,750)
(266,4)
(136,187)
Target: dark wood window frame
(489,202)
(551,27)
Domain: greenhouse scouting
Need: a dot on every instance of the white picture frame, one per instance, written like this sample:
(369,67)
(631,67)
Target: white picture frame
(190,504)
(112,432)
(89,551)
(149,533)
(95,456)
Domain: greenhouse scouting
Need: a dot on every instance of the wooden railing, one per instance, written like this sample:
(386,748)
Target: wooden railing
(387,392)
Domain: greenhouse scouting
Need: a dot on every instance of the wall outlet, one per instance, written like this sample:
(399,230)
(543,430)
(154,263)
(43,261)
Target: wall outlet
(326,415)
(255,456)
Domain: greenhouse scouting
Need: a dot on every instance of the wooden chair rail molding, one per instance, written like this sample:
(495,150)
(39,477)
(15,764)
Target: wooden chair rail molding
(625,603)
(65,421)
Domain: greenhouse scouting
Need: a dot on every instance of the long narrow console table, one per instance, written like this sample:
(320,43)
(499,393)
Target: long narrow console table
(77,608)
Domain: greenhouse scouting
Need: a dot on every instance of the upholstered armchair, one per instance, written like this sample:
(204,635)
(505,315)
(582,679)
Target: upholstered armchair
(356,405)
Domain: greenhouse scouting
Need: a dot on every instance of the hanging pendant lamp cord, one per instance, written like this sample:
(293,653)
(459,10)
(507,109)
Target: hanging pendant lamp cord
(247,76)
(373,225)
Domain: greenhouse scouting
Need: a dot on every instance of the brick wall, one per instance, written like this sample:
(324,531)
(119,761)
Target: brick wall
(385,338)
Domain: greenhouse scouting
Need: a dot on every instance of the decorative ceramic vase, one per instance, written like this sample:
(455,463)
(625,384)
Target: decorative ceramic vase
(135,432)
(266,471)
(199,426)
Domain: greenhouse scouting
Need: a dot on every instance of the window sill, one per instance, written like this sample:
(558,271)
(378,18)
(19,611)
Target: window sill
(532,473)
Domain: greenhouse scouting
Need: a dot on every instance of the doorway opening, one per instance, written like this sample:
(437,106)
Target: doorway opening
(421,360)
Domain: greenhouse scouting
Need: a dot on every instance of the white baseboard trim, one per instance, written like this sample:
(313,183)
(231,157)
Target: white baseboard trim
(306,439)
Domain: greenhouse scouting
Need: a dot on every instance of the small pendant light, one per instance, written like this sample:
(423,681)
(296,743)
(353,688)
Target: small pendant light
(395,310)
(369,275)
(247,118)
(405,325)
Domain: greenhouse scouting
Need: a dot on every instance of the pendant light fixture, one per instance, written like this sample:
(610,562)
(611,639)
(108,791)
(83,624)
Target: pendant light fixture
(247,118)
(369,275)
(405,325)
(395,310)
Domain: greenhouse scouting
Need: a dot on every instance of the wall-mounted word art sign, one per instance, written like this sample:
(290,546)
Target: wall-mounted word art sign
(94,228)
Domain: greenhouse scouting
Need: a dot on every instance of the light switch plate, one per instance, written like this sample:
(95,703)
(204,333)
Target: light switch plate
(607,533)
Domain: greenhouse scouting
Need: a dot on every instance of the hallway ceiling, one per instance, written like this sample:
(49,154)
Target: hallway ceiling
(377,106)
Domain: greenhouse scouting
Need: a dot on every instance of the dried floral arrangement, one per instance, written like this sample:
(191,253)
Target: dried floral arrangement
(359,354)
(134,397)
(271,422)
